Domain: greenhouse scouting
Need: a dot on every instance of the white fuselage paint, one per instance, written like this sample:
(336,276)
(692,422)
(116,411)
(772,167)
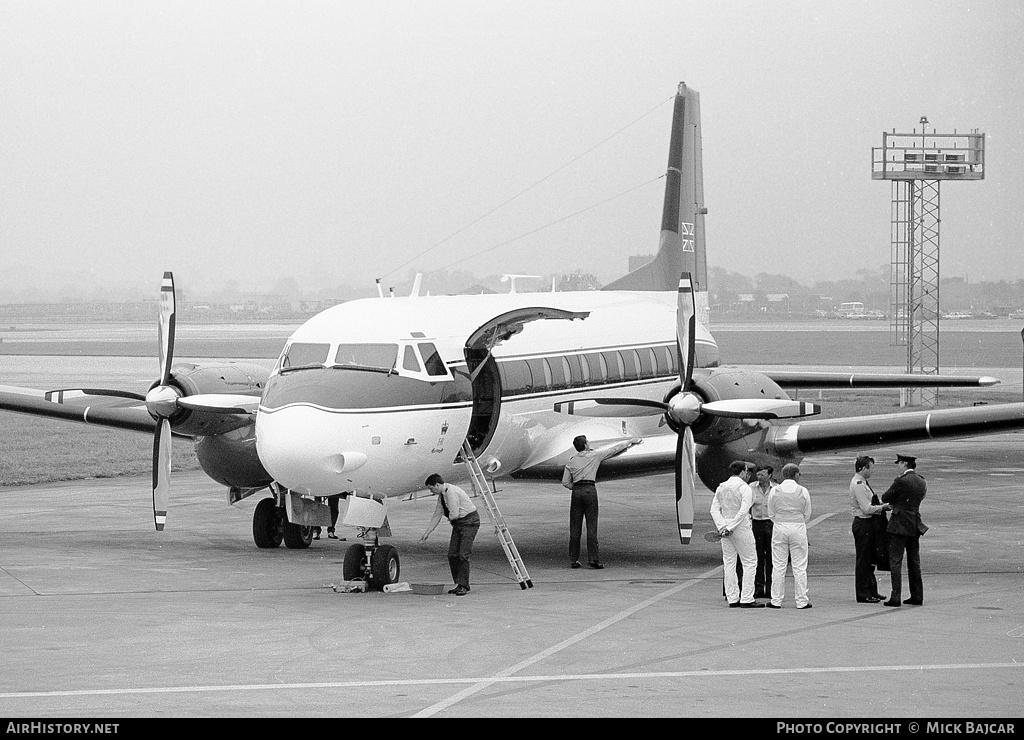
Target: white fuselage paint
(345,429)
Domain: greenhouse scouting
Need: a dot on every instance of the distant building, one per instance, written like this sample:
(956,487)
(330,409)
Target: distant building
(576,281)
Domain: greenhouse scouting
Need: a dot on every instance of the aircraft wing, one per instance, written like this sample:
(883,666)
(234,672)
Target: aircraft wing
(814,379)
(822,435)
(657,452)
(101,408)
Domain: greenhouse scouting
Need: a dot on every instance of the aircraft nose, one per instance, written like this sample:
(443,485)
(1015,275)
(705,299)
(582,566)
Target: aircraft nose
(307,450)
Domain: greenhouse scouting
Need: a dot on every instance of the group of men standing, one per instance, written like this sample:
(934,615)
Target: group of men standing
(781,534)
(763,527)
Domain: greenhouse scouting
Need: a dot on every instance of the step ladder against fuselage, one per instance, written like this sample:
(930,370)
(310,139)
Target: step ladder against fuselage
(483,489)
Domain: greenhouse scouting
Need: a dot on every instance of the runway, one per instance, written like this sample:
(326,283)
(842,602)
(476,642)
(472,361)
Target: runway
(104,617)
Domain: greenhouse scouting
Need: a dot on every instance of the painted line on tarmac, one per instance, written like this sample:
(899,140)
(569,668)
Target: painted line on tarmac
(509,679)
(614,619)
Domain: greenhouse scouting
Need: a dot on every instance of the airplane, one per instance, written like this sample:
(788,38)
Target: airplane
(370,396)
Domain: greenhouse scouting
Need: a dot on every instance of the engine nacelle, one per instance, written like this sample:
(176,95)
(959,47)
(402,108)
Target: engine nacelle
(227,456)
(721,440)
(231,458)
(189,379)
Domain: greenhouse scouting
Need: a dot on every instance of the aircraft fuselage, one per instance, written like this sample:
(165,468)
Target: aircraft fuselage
(374,395)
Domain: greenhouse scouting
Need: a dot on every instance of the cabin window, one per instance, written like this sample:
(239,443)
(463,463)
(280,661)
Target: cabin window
(383,356)
(409,361)
(575,373)
(516,377)
(666,355)
(647,362)
(432,360)
(566,379)
(630,364)
(304,354)
(612,362)
(541,374)
(598,367)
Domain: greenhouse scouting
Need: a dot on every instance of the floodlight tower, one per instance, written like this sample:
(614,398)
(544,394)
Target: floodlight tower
(916,163)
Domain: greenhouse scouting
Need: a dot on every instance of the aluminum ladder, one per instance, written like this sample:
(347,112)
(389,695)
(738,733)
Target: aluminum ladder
(483,489)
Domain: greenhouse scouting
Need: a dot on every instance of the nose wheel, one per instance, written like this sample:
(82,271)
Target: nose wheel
(375,564)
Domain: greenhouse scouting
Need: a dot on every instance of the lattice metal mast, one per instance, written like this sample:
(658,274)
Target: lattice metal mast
(916,163)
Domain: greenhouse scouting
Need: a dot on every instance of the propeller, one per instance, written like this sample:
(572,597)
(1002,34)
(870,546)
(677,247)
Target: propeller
(685,408)
(162,402)
(682,413)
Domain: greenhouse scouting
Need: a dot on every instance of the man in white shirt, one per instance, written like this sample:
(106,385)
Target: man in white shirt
(454,504)
(580,477)
(789,506)
(730,509)
(761,525)
(864,530)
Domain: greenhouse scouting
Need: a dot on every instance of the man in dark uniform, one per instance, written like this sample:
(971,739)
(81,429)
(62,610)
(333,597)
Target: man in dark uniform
(905,530)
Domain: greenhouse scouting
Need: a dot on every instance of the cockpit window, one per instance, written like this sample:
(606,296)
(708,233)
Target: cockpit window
(304,354)
(432,360)
(409,361)
(382,356)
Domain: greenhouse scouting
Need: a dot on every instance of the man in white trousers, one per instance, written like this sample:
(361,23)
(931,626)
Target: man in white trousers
(731,511)
(789,507)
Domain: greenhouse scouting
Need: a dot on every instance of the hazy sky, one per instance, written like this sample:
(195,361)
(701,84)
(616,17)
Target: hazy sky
(335,141)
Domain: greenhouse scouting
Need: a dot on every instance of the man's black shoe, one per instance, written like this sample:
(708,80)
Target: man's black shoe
(575,564)
(751,605)
(891,603)
(808,605)
(596,565)
(912,602)
(461,591)
(733,604)
(870,600)
(772,606)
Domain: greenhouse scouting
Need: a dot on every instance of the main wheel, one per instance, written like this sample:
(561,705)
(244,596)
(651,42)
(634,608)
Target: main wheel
(384,566)
(353,567)
(266,524)
(297,536)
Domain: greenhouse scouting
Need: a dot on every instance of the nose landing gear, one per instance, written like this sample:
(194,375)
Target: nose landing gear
(375,564)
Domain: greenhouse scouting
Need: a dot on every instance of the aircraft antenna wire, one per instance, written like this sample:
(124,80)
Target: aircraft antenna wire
(524,192)
(548,225)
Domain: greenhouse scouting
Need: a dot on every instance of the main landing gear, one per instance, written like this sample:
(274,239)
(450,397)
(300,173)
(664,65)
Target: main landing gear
(270,526)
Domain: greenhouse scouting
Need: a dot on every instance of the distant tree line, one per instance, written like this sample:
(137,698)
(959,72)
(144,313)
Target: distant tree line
(731,293)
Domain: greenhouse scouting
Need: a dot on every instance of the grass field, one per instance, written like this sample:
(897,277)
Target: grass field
(40,450)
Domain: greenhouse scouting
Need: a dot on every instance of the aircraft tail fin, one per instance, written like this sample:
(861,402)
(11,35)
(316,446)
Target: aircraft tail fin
(681,245)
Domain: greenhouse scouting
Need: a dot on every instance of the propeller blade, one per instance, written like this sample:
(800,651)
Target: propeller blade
(220,403)
(161,472)
(760,408)
(686,329)
(686,486)
(611,407)
(166,327)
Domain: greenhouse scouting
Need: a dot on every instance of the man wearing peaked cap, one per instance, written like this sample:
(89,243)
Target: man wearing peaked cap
(905,530)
